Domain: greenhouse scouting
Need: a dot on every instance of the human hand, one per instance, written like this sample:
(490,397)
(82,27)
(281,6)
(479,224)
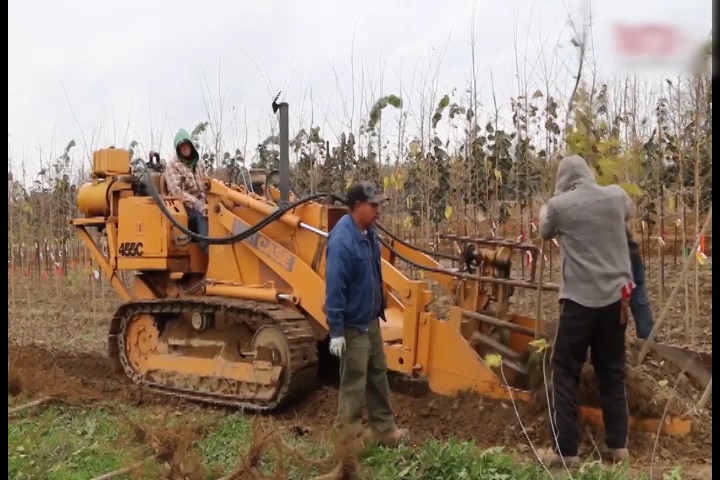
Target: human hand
(337,346)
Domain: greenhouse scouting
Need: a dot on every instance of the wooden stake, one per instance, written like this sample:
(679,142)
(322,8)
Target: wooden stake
(681,279)
(121,471)
(706,395)
(538,299)
(25,406)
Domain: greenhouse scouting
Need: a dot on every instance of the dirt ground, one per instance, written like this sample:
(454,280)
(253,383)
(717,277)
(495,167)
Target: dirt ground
(57,346)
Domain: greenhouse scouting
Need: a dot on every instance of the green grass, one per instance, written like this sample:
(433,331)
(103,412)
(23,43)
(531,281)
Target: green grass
(80,443)
(60,443)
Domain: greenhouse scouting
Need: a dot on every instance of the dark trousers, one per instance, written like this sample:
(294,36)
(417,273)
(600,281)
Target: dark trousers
(364,381)
(600,330)
(639,300)
(198,223)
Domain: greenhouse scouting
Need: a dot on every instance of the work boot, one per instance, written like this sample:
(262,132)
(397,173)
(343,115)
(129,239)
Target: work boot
(619,454)
(391,439)
(551,459)
(395,438)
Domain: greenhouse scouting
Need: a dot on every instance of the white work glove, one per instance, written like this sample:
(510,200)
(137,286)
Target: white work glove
(337,346)
(201,206)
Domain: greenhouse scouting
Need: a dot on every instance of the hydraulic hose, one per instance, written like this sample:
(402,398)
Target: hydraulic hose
(140,164)
(231,238)
(378,225)
(444,271)
(272,173)
(399,240)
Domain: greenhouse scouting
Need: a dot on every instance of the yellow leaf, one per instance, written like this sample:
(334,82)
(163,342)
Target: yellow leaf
(631,189)
(448,212)
(414,148)
(540,344)
(606,146)
(398,181)
(386,183)
(349,182)
(498,176)
(663,383)
(408,221)
(408,201)
(493,360)
(671,204)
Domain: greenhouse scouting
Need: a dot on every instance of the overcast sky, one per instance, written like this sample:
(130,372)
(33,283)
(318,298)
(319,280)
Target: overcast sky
(108,72)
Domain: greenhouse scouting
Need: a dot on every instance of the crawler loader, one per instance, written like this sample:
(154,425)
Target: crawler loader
(240,326)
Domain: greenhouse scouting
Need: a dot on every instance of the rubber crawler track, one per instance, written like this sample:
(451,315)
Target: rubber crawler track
(298,333)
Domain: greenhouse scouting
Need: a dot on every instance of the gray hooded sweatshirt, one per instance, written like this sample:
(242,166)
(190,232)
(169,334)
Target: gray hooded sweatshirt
(590,222)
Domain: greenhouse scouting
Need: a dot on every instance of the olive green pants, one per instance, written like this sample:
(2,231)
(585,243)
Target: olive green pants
(364,382)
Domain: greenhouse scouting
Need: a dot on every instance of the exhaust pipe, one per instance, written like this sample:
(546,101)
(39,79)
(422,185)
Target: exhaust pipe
(284,169)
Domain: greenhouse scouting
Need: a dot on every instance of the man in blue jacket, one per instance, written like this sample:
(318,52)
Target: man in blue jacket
(639,301)
(354,303)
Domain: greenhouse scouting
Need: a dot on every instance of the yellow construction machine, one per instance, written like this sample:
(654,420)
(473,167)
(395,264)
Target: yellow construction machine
(242,325)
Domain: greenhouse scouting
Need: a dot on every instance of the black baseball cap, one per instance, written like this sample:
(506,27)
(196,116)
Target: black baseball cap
(364,192)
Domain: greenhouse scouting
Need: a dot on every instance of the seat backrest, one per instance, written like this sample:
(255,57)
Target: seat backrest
(159,182)
(162,185)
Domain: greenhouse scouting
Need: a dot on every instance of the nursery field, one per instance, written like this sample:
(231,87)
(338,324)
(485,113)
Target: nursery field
(71,417)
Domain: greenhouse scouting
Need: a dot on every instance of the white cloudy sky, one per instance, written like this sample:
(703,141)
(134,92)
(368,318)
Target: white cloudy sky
(107,72)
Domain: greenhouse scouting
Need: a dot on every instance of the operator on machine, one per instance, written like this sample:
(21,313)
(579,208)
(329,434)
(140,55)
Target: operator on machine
(186,179)
(639,301)
(354,303)
(596,283)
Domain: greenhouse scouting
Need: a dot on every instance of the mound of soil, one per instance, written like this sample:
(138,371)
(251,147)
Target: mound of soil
(654,388)
(70,377)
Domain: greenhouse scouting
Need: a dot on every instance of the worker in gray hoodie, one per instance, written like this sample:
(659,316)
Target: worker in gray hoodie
(596,282)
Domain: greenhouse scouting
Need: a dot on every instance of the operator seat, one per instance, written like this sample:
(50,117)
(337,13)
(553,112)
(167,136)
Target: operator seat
(162,185)
(159,182)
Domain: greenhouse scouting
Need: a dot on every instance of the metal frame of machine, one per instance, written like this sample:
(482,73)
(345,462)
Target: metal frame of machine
(240,326)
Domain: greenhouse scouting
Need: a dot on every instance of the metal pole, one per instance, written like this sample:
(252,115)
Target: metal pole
(284,170)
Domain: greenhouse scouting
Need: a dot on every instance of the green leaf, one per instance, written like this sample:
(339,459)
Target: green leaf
(376,110)
(444,102)
(395,101)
